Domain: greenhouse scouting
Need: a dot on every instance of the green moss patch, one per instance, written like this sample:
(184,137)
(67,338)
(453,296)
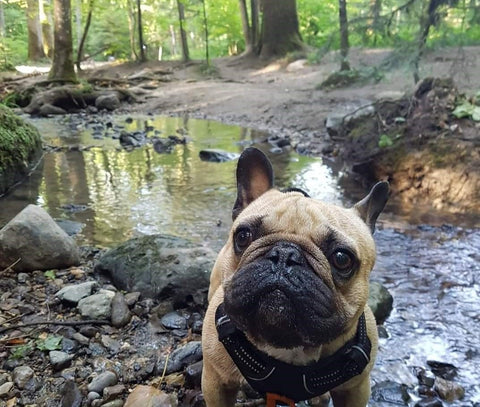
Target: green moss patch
(20,148)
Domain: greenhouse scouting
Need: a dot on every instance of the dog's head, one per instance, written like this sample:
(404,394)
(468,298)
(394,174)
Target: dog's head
(298,269)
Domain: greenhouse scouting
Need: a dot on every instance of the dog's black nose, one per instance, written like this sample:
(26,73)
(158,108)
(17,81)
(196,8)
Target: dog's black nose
(286,254)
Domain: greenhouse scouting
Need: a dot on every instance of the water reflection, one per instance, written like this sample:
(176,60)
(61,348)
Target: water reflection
(117,194)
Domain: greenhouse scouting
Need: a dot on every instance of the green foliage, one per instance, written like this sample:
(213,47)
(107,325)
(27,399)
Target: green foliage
(467,110)
(48,343)
(385,141)
(352,76)
(50,274)
(22,351)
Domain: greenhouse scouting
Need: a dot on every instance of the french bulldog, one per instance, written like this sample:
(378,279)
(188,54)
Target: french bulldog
(288,295)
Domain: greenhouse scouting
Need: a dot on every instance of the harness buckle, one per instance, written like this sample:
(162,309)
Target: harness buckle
(273,399)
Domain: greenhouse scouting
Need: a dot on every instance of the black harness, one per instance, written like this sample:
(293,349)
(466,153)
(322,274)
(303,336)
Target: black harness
(269,375)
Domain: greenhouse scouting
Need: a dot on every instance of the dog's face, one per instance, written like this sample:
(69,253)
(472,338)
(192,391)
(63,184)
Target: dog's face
(298,268)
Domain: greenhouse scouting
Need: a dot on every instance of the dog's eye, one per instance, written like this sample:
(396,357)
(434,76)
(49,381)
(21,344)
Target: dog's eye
(243,239)
(343,262)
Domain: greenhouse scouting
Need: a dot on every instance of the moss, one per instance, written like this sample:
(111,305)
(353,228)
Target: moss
(20,148)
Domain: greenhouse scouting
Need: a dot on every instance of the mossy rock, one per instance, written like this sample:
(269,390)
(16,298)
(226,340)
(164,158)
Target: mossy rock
(20,148)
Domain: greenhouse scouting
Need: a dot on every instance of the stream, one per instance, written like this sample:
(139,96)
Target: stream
(108,194)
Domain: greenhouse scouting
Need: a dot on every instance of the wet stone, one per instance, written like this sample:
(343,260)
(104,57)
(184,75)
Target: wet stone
(74,293)
(22,375)
(93,395)
(182,357)
(59,360)
(444,370)
(89,331)
(132,298)
(121,315)
(72,397)
(81,339)
(390,392)
(6,390)
(193,375)
(112,392)
(97,306)
(217,156)
(69,345)
(430,402)
(448,390)
(380,302)
(103,380)
(173,320)
(113,403)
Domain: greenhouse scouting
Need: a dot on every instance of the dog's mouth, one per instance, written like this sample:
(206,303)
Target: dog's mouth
(283,306)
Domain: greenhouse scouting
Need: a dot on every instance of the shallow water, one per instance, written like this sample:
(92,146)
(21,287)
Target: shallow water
(116,194)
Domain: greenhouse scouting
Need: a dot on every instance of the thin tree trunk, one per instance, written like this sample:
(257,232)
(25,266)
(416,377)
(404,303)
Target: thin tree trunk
(427,19)
(247,33)
(376,26)
(2,20)
(280,33)
(173,39)
(84,35)
(205,26)
(344,44)
(35,45)
(254,20)
(47,33)
(143,57)
(62,66)
(78,20)
(131,30)
(183,33)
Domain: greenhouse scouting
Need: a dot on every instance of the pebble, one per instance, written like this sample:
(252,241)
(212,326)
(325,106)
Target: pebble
(390,392)
(182,357)
(75,292)
(448,390)
(93,395)
(59,359)
(132,298)
(149,396)
(113,403)
(121,315)
(103,380)
(112,392)
(193,375)
(71,395)
(430,402)
(22,375)
(5,389)
(97,306)
(81,339)
(173,320)
(444,370)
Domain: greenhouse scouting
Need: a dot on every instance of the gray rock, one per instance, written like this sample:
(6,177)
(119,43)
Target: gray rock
(182,357)
(113,403)
(112,392)
(334,125)
(193,375)
(33,237)
(59,359)
(160,266)
(217,156)
(72,397)
(429,402)
(448,390)
(108,102)
(81,339)
(149,396)
(121,315)
(391,392)
(105,379)
(97,306)
(47,110)
(75,292)
(93,395)
(6,390)
(22,376)
(380,302)
(70,227)
(5,377)
(132,298)
(173,320)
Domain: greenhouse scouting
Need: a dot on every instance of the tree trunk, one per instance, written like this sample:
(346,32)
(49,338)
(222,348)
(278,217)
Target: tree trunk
(247,33)
(62,66)
(344,44)
(280,33)
(183,33)
(376,23)
(254,21)
(35,45)
(78,20)
(205,29)
(84,35)
(131,30)
(47,35)
(143,57)
(2,20)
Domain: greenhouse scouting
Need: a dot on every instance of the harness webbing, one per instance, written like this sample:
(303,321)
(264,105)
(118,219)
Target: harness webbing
(269,375)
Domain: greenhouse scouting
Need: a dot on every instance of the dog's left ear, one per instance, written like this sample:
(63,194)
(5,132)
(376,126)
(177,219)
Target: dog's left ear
(370,207)
(254,177)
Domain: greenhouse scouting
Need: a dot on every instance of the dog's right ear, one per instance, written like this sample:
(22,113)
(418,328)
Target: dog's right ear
(254,177)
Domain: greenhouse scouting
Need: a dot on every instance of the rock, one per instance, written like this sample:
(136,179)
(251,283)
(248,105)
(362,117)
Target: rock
(132,298)
(20,148)
(70,227)
(81,339)
(163,145)
(121,315)
(128,140)
(112,392)
(444,370)
(297,65)
(391,392)
(113,403)
(173,320)
(33,237)
(47,110)
(97,306)
(71,395)
(448,390)
(149,396)
(6,390)
(380,302)
(193,375)
(425,378)
(162,267)
(59,360)
(429,402)
(4,378)
(182,357)
(91,396)
(105,379)
(334,124)
(69,345)
(139,368)
(108,102)
(111,344)
(217,156)
(75,292)
(23,377)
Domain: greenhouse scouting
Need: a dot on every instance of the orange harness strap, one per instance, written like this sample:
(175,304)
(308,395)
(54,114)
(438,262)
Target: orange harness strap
(273,399)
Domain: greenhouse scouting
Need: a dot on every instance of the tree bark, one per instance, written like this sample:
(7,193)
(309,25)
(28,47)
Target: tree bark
(35,44)
(143,57)
(2,20)
(376,25)
(47,35)
(247,33)
(131,29)
(344,44)
(62,67)
(254,18)
(84,35)
(280,33)
(183,33)
(205,30)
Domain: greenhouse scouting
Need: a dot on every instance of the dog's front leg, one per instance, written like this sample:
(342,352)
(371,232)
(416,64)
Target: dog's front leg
(216,393)
(356,396)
